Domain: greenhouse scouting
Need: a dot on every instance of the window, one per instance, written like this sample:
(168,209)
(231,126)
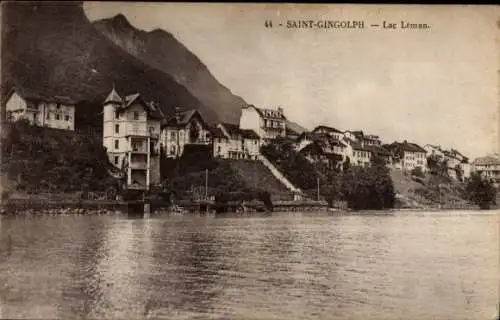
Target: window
(173,135)
(116,159)
(47,116)
(117,114)
(207,137)
(172,150)
(136,115)
(117,128)
(58,116)
(117,144)
(66,117)
(151,129)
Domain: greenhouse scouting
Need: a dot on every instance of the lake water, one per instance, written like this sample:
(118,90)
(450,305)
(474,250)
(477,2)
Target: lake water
(407,266)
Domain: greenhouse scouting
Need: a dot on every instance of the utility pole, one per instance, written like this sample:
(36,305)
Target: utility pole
(317,179)
(206,184)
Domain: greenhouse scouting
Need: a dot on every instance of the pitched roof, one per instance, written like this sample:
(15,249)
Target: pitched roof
(326,128)
(378,150)
(271,113)
(488,160)
(234,131)
(217,132)
(182,118)
(32,95)
(113,97)
(399,147)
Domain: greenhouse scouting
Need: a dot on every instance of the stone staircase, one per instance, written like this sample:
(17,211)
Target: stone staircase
(257,175)
(279,175)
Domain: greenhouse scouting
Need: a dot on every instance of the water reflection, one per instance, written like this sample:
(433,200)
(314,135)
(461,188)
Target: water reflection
(296,267)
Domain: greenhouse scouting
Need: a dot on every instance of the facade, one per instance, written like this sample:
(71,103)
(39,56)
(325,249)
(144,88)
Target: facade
(457,164)
(131,135)
(236,143)
(408,156)
(187,127)
(268,124)
(337,134)
(56,112)
(488,167)
(322,147)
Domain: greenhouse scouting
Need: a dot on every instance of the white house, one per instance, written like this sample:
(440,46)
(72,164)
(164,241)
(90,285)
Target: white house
(457,164)
(236,143)
(267,123)
(337,134)
(408,156)
(48,111)
(131,132)
(488,167)
(184,128)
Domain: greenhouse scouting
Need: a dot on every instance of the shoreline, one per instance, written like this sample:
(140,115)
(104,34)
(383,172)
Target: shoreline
(32,207)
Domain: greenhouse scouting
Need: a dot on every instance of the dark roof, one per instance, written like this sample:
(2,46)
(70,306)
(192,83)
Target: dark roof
(261,112)
(217,132)
(152,110)
(488,160)
(32,95)
(399,147)
(378,150)
(182,118)
(234,131)
(326,128)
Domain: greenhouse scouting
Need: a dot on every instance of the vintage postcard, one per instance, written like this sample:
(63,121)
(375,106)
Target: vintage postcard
(249,161)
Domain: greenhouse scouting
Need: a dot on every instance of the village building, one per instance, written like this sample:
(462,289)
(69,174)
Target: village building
(267,123)
(182,129)
(488,167)
(357,153)
(337,134)
(321,147)
(457,165)
(56,112)
(407,156)
(236,143)
(131,132)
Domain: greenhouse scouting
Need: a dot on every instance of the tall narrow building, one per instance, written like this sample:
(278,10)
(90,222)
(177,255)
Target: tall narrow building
(131,131)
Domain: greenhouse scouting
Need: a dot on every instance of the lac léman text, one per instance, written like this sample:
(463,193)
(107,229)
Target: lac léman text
(345,24)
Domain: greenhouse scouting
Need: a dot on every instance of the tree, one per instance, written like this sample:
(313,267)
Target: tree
(417,172)
(480,191)
(369,187)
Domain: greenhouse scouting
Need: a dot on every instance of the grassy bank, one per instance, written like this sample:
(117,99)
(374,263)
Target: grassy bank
(45,160)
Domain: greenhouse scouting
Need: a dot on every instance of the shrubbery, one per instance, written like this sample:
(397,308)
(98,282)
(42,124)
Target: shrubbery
(362,187)
(480,191)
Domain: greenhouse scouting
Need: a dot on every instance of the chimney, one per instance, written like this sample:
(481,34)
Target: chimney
(177,115)
(280,110)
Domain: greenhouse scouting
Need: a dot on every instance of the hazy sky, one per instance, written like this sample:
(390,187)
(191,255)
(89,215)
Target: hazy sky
(437,86)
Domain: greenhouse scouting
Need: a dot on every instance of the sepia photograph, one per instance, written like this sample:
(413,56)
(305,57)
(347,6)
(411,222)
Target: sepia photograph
(249,161)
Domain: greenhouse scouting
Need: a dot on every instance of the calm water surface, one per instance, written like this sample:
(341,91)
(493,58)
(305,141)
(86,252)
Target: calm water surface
(409,266)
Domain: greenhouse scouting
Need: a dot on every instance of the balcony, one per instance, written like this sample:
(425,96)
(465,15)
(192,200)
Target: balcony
(138,165)
(200,141)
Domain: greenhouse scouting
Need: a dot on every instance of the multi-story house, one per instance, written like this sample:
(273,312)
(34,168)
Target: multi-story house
(236,143)
(457,165)
(267,123)
(337,134)
(408,156)
(321,147)
(47,111)
(131,132)
(488,167)
(185,128)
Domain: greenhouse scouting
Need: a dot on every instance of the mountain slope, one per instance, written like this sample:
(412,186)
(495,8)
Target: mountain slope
(159,49)
(53,48)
